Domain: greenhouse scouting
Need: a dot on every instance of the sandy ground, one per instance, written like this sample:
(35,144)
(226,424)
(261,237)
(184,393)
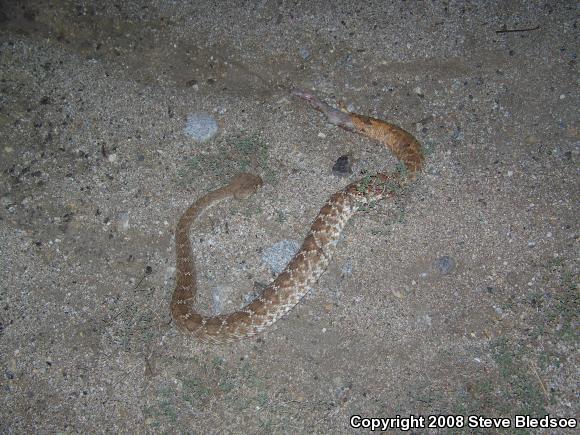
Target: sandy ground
(96,168)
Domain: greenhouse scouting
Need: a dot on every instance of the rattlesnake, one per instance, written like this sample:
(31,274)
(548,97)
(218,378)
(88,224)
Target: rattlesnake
(306,267)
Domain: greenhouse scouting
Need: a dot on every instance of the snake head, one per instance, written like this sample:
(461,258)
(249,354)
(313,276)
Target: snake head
(244,185)
(305,95)
(342,118)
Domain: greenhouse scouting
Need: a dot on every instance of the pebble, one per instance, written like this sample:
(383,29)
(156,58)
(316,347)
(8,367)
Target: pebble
(6,201)
(219,297)
(256,291)
(123,221)
(347,60)
(200,126)
(346,268)
(342,166)
(397,294)
(531,140)
(278,256)
(304,53)
(445,265)
(457,134)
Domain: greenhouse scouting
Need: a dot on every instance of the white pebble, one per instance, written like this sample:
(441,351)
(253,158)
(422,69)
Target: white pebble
(201,127)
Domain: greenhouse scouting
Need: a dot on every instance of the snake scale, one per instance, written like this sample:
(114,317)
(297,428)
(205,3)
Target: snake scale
(310,262)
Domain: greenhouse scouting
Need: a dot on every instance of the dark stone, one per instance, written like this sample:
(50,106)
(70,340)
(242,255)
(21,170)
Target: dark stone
(342,166)
(445,265)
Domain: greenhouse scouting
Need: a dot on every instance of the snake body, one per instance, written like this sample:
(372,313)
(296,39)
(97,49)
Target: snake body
(310,262)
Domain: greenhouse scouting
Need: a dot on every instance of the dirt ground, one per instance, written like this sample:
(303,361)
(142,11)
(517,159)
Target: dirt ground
(458,298)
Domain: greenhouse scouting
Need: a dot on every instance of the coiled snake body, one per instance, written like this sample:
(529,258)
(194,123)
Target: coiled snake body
(310,262)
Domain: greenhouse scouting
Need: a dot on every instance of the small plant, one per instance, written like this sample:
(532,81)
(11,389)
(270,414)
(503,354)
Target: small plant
(519,386)
(428,148)
(363,185)
(280,216)
(401,169)
(195,391)
(237,153)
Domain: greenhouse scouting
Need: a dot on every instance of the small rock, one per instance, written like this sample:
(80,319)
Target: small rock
(256,291)
(278,256)
(342,166)
(457,134)
(200,126)
(531,140)
(219,296)
(347,60)
(304,53)
(346,268)
(6,201)
(445,265)
(397,294)
(123,222)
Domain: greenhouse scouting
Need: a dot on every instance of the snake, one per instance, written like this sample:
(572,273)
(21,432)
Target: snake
(310,262)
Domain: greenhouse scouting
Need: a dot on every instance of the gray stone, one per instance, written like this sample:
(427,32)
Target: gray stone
(278,256)
(200,126)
